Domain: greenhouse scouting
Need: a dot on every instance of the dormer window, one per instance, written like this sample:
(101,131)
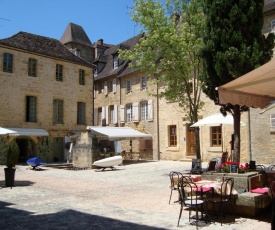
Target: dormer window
(77,52)
(115,61)
(95,71)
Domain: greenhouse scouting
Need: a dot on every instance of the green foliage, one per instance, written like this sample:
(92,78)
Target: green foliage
(233,45)
(169,51)
(12,154)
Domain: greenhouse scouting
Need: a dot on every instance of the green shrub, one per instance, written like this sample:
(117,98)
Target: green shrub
(12,154)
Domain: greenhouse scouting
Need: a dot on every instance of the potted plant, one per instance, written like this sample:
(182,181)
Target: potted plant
(12,159)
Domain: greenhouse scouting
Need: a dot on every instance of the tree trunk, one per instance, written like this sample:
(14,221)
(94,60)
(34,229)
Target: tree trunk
(198,149)
(237,133)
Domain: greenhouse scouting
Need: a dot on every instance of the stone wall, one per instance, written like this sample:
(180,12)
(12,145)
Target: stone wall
(17,85)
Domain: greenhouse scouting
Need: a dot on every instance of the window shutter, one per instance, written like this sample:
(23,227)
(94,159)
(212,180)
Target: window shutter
(107,115)
(122,114)
(114,85)
(105,88)
(135,112)
(272,121)
(150,110)
(103,116)
(115,114)
(95,116)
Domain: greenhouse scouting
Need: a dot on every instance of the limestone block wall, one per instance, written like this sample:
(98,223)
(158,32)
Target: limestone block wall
(262,136)
(82,151)
(17,85)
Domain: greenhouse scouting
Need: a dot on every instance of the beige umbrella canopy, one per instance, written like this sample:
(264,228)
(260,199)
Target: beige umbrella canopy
(216,120)
(254,89)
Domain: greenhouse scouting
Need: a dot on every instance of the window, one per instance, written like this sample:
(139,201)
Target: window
(272,121)
(59,72)
(111,86)
(7,63)
(57,111)
(32,67)
(172,135)
(81,77)
(101,87)
(143,83)
(99,122)
(81,113)
(273,25)
(115,61)
(112,114)
(129,112)
(144,110)
(95,71)
(216,136)
(128,87)
(30,109)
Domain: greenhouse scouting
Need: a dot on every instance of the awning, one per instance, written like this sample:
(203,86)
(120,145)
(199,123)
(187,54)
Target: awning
(23,132)
(117,133)
(254,89)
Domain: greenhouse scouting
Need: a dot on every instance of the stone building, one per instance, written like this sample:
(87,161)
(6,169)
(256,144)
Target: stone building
(123,97)
(43,86)
(262,125)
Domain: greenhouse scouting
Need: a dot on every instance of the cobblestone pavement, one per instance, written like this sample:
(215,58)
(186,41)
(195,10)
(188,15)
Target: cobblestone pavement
(135,196)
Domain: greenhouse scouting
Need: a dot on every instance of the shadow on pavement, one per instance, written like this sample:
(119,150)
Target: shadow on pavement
(11,218)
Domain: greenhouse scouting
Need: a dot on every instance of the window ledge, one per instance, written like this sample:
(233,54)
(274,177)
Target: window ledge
(172,149)
(215,149)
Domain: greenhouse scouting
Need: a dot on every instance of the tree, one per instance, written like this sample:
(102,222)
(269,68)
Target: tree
(169,51)
(233,46)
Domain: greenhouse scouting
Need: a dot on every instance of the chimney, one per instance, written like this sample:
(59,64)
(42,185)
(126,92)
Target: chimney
(100,41)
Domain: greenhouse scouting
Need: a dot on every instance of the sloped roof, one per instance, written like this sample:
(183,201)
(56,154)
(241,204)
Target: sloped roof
(269,5)
(107,57)
(75,33)
(43,46)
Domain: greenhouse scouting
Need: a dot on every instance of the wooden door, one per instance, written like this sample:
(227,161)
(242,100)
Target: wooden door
(191,142)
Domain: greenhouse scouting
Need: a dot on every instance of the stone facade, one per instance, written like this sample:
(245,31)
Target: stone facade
(16,86)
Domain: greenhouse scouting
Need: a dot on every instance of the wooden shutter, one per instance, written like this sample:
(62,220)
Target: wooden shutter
(95,116)
(122,114)
(105,87)
(135,112)
(150,110)
(114,85)
(107,115)
(115,114)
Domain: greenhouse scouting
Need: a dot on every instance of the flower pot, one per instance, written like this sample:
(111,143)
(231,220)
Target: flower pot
(9,177)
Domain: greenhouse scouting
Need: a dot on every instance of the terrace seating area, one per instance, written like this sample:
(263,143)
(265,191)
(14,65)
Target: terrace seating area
(251,191)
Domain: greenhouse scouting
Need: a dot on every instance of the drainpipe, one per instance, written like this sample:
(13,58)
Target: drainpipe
(158,144)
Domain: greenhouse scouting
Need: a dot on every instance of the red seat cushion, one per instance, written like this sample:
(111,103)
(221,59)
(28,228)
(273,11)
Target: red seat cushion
(260,190)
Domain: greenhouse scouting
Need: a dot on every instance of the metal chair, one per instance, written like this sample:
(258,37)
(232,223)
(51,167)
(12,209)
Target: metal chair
(271,168)
(271,193)
(174,180)
(189,197)
(224,197)
(260,167)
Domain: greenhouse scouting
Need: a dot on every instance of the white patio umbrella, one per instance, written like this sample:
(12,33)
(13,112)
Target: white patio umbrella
(216,120)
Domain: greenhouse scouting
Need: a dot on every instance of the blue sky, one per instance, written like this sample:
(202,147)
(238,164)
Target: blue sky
(107,19)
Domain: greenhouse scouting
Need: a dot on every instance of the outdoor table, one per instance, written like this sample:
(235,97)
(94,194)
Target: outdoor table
(194,178)
(215,185)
